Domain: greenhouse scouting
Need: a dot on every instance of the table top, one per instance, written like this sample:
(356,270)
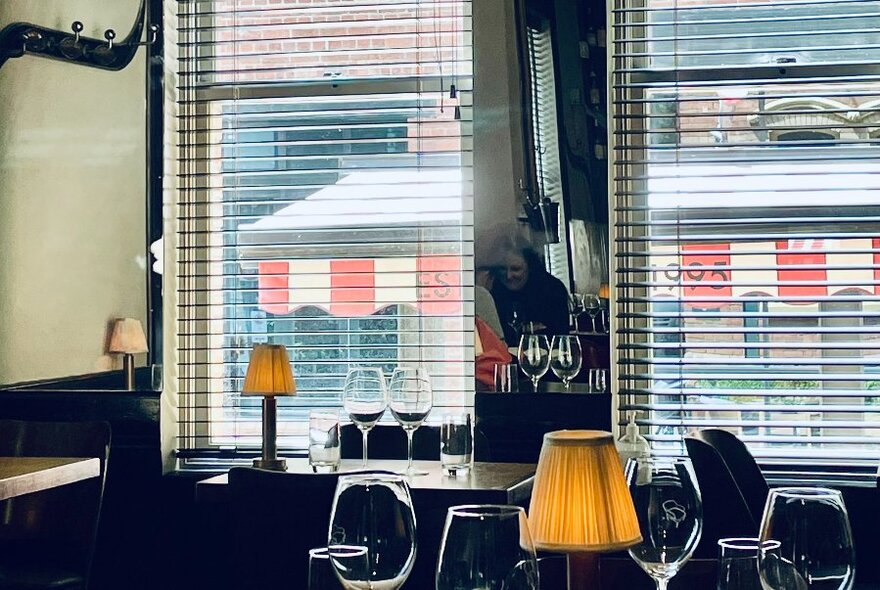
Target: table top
(515,479)
(25,475)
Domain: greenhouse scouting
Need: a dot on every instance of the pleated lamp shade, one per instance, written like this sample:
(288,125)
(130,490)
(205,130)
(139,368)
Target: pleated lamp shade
(269,372)
(128,337)
(580,500)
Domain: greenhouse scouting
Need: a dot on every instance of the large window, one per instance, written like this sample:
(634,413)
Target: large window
(326,203)
(746,198)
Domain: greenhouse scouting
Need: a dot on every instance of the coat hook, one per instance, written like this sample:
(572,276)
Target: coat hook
(70,46)
(77,28)
(110,35)
(154,36)
(33,38)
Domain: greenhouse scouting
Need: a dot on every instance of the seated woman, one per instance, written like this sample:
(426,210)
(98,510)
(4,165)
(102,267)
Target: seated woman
(525,293)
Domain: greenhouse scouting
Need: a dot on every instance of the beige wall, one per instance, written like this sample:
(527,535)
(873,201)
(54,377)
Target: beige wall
(72,197)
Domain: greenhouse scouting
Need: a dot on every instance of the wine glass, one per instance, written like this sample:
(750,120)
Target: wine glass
(487,547)
(816,544)
(365,398)
(592,306)
(565,358)
(373,511)
(534,357)
(670,511)
(321,573)
(738,562)
(410,399)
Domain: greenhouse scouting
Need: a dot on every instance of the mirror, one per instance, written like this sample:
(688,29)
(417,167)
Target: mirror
(73,159)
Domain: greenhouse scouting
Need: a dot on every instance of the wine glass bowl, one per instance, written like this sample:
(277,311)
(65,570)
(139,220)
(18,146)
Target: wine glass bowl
(373,511)
(592,305)
(487,547)
(816,546)
(534,357)
(410,399)
(670,512)
(365,398)
(566,358)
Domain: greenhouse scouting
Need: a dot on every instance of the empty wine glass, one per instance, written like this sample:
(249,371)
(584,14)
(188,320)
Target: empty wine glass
(410,399)
(565,358)
(592,306)
(815,540)
(365,398)
(670,511)
(373,511)
(738,562)
(487,547)
(534,357)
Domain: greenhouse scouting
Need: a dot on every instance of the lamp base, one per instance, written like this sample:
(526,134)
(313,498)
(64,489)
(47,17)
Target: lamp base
(583,571)
(271,464)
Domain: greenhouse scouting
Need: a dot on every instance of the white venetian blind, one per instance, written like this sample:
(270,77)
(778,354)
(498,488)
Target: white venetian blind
(746,203)
(326,203)
(545,133)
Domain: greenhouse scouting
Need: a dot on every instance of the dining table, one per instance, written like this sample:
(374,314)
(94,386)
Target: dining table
(432,495)
(26,475)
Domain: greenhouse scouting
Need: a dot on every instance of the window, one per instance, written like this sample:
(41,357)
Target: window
(325,203)
(746,202)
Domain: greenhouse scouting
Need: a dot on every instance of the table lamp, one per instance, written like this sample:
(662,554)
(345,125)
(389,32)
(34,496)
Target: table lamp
(580,504)
(269,375)
(128,339)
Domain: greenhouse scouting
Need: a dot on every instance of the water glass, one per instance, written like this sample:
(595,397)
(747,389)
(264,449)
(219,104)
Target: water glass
(598,382)
(505,377)
(324,441)
(487,547)
(456,443)
(738,562)
(373,511)
(321,575)
(670,512)
(816,545)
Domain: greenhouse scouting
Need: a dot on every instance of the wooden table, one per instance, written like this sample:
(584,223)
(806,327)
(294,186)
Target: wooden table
(25,475)
(485,483)
(433,494)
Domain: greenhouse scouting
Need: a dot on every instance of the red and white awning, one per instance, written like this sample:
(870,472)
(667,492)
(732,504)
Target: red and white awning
(354,288)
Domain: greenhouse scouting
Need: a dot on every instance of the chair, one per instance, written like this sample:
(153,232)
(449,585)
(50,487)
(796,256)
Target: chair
(277,517)
(389,442)
(725,513)
(742,467)
(47,539)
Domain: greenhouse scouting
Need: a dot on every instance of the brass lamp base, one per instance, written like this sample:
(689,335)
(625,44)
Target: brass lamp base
(271,464)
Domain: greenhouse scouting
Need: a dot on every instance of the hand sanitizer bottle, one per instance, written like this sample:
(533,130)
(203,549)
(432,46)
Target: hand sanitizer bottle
(632,443)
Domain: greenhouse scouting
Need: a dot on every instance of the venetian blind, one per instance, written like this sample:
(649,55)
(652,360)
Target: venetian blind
(326,203)
(545,132)
(746,202)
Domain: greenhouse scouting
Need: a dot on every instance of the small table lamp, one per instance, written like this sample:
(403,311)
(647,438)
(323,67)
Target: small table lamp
(128,338)
(580,502)
(269,374)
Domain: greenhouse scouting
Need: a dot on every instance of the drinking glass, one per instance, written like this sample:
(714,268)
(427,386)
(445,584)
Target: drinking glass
(592,305)
(505,377)
(670,511)
(410,399)
(534,357)
(321,574)
(324,442)
(365,398)
(816,545)
(456,443)
(598,380)
(487,547)
(738,562)
(373,511)
(566,358)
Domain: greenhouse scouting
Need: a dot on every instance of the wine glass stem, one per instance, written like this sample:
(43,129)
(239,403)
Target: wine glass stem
(365,434)
(566,383)
(409,449)
(535,383)
(661,584)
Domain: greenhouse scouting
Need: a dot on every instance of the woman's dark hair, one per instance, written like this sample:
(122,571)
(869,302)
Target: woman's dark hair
(534,260)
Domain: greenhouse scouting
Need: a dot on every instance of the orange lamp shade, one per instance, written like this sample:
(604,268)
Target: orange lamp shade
(580,500)
(128,337)
(604,291)
(269,372)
